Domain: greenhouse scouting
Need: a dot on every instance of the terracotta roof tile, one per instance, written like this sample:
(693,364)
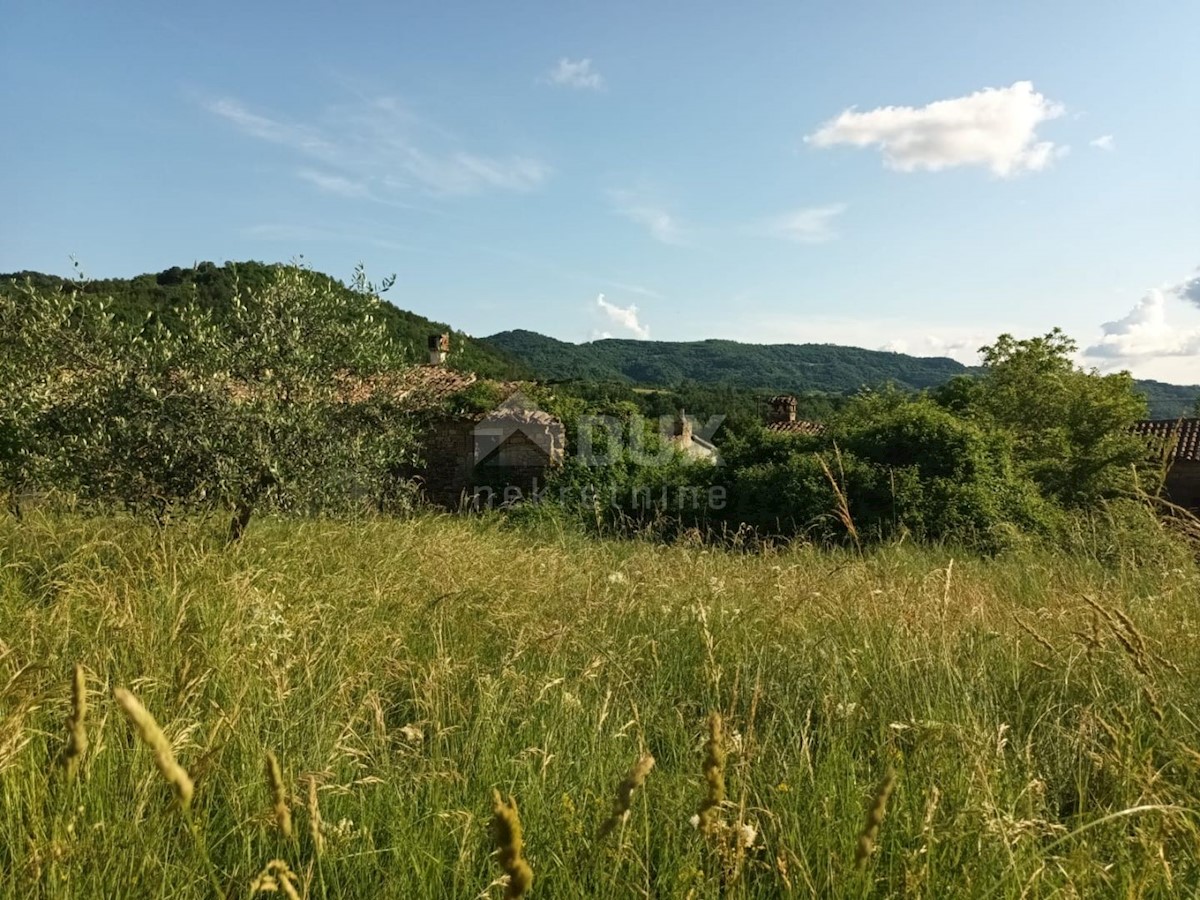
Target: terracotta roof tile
(797,426)
(1180,436)
(418,385)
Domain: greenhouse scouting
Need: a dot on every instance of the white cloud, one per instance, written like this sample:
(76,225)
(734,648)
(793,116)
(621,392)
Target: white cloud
(995,128)
(811,225)
(624,316)
(1104,142)
(379,149)
(1190,289)
(1145,334)
(663,226)
(576,74)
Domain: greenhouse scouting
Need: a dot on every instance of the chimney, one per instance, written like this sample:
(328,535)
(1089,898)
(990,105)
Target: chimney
(783,408)
(683,429)
(439,348)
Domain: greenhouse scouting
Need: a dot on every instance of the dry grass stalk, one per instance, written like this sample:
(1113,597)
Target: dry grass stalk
(839,493)
(314,817)
(1033,634)
(1126,634)
(153,737)
(624,799)
(276,877)
(77,739)
(506,828)
(870,832)
(714,773)
(283,815)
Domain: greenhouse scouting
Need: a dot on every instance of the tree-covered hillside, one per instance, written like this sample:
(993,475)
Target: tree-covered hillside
(213,287)
(790,368)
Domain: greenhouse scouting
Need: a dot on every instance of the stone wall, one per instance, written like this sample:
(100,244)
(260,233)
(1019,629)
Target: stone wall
(1183,484)
(448,456)
(449,475)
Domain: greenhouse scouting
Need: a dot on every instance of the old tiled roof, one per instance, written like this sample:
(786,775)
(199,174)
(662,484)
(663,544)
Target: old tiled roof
(417,385)
(1180,437)
(797,426)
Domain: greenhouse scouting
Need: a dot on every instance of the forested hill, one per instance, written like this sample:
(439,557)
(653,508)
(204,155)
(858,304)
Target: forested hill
(790,368)
(212,287)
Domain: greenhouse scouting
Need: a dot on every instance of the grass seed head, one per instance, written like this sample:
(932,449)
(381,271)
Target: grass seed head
(283,815)
(314,817)
(276,878)
(153,737)
(506,828)
(870,832)
(714,773)
(624,799)
(77,739)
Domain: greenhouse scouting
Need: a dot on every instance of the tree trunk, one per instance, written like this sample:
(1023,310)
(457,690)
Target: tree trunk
(243,509)
(241,518)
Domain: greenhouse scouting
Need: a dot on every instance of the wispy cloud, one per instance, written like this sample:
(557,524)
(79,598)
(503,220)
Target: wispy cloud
(576,74)
(661,224)
(377,148)
(293,234)
(808,225)
(1104,142)
(995,128)
(333,184)
(623,316)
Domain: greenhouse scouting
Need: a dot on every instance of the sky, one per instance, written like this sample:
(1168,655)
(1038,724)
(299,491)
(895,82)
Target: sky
(919,177)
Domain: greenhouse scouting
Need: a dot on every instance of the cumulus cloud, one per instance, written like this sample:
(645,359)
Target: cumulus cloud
(663,226)
(1144,333)
(624,316)
(376,148)
(810,225)
(1104,142)
(1190,289)
(995,128)
(576,74)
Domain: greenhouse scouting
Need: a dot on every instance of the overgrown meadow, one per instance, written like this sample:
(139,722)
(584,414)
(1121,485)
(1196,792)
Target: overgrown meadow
(820,722)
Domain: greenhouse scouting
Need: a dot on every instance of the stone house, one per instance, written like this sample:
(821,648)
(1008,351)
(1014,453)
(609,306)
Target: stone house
(1177,443)
(463,450)
(690,444)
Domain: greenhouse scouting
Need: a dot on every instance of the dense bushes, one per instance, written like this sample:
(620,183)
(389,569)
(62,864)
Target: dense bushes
(1033,446)
(889,465)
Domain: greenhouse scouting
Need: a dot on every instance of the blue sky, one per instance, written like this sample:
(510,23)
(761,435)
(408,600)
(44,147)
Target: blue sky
(917,176)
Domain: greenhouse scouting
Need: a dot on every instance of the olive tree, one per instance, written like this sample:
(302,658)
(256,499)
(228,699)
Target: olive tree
(235,413)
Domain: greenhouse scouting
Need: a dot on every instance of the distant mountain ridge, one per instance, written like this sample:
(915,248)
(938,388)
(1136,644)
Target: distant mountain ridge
(520,354)
(786,368)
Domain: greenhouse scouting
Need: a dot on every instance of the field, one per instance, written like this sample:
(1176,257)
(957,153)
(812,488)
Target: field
(1035,715)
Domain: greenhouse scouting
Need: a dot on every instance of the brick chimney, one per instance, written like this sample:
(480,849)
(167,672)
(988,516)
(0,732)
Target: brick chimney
(439,348)
(783,408)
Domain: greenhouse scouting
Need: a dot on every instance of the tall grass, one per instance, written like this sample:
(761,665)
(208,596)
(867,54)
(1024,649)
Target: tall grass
(1041,714)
